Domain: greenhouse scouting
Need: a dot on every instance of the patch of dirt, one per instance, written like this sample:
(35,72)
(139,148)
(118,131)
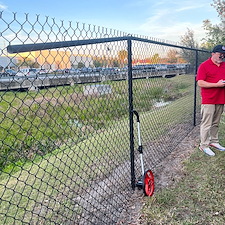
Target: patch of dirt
(171,170)
(167,174)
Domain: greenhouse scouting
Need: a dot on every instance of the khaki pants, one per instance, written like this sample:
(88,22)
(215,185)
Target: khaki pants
(209,127)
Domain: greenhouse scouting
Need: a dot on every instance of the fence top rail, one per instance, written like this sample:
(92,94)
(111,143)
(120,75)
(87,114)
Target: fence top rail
(62,44)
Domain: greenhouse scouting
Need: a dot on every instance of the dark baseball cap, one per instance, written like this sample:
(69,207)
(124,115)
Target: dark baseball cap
(219,48)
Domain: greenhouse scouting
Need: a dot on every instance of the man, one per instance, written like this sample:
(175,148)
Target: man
(211,80)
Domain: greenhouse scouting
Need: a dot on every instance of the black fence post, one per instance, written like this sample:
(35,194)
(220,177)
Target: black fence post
(195,87)
(130,91)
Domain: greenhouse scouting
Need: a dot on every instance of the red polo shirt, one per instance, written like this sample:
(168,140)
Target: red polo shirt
(210,72)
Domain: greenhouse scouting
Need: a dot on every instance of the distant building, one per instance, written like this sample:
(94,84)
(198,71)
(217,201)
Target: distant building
(53,59)
(47,59)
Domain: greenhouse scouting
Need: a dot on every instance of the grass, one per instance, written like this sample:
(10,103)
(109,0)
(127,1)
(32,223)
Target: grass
(28,185)
(32,122)
(198,198)
(35,182)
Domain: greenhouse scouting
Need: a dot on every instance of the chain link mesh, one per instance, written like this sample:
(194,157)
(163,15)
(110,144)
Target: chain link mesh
(65,132)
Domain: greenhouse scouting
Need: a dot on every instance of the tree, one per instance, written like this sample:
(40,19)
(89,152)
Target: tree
(122,56)
(97,63)
(27,62)
(172,56)
(80,65)
(215,33)
(155,58)
(188,40)
(115,63)
(220,8)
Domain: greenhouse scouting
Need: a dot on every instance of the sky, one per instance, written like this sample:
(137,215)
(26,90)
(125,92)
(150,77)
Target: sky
(162,19)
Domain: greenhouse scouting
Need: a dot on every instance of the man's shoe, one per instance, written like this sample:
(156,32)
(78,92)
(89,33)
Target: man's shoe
(217,146)
(207,151)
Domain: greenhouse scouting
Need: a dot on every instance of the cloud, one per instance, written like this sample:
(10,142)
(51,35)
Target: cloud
(169,20)
(181,6)
(185,8)
(3,7)
(172,32)
(158,16)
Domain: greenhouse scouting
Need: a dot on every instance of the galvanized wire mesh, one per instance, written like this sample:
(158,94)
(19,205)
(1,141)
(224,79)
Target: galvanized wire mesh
(65,152)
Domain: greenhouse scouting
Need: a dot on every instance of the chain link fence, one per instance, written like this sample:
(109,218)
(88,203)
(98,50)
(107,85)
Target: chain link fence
(68,136)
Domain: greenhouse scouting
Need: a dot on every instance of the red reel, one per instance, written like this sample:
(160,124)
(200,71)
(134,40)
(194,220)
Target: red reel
(148,183)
